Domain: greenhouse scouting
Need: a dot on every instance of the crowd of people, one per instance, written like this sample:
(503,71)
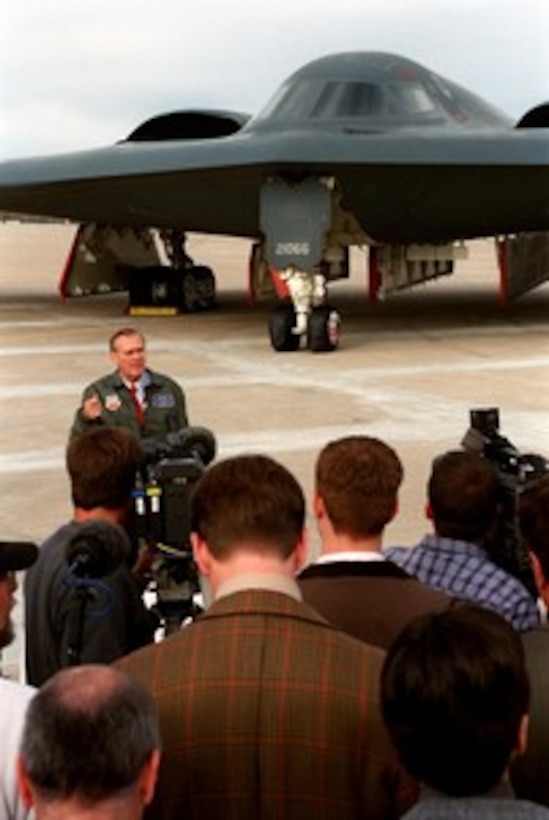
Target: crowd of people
(372,682)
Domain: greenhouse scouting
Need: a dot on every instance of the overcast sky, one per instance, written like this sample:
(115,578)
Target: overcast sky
(78,74)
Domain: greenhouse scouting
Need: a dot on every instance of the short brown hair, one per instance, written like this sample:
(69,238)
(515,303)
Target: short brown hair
(358,478)
(250,501)
(102,464)
(463,493)
(123,332)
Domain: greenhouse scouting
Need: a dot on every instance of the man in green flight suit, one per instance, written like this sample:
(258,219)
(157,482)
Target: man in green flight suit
(147,403)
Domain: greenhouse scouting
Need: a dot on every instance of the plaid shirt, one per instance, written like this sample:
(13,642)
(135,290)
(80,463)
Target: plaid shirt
(462,569)
(476,808)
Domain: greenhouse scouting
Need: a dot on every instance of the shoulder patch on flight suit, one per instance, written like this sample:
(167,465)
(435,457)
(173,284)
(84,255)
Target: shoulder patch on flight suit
(113,402)
(162,401)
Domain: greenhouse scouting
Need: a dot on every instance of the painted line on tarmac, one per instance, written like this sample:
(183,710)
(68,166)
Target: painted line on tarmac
(438,424)
(299,374)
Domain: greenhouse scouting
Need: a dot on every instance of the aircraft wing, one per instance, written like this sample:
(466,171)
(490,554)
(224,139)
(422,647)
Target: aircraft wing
(413,156)
(400,187)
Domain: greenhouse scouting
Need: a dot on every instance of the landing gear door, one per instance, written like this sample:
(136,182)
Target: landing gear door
(101,259)
(523,262)
(295,218)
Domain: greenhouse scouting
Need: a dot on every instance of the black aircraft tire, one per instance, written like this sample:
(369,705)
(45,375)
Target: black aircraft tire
(154,285)
(324,329)
(198,289)
(281,324)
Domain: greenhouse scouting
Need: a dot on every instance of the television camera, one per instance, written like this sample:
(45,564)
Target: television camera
(515,472)
(162,523)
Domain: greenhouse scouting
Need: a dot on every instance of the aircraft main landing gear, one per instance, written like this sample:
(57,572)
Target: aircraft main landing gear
(198,288)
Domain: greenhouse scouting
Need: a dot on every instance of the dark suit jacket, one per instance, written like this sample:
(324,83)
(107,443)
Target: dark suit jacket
(269,712)
(371,600)
(529,773)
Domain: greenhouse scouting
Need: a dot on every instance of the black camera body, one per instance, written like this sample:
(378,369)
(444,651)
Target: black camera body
(515,472)
(162,522)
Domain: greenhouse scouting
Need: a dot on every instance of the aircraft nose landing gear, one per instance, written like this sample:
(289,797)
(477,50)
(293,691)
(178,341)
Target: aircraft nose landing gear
(282,328)
(305,315)
(324,329)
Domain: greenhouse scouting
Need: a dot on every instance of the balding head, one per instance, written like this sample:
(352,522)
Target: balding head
(88,690)
(89,734)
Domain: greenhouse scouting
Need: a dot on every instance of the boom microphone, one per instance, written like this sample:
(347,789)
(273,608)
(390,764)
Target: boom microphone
(96,549)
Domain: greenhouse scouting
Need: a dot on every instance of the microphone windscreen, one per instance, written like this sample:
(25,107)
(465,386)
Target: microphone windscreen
(17,555)
(97,548)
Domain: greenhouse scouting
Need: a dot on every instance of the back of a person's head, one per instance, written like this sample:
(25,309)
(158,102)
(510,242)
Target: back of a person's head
(102,465)
(248,501)
(463,495)
(534,520)
(358,478)
(89,732)
(454,691)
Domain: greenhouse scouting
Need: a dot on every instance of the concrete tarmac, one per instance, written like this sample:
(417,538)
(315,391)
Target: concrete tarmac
(407,371)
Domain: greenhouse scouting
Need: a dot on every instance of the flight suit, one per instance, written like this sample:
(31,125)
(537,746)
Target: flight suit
(164,410)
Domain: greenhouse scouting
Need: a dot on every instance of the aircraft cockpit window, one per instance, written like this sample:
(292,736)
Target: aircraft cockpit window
(411,98)
(348,99)
(290,102)
(405,102)
(318,100)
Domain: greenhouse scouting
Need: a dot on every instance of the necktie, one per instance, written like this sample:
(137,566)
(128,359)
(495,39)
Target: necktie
(137,404)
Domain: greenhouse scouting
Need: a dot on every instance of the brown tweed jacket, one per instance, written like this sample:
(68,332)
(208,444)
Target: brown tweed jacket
(267,712)
(370,600)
